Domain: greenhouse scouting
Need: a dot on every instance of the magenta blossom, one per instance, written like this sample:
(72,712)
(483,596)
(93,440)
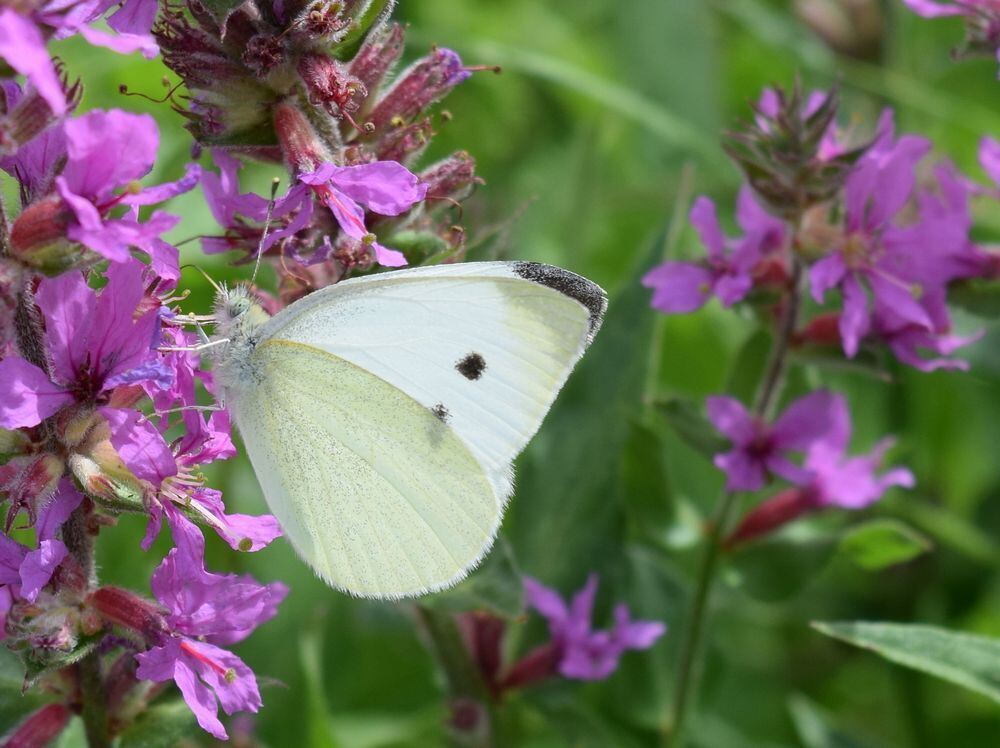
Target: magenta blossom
(900,266)
(384,187)
(95,344)
(23,36)
(585,654)
(680,287)
(760,448)
(90,184)
(205,612)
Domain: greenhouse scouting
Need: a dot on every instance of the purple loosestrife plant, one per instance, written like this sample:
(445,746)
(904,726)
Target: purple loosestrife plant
(876,243)
(103,396)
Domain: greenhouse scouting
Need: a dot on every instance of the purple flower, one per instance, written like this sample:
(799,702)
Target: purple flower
(206,610)
(900,266)
(849,482)
(90,181)
(681,287)
(586,654)
(23,47)
(94,342)
(383,187)
(760,448)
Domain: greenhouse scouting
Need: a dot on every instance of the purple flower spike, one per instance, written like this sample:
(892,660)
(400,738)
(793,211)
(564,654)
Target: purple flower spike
(760,449)
(585,654)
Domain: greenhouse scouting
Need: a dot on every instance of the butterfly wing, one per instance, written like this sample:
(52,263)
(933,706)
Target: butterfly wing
(423,385)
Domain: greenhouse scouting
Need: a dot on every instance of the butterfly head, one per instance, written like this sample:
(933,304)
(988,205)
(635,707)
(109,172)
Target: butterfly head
(237,313)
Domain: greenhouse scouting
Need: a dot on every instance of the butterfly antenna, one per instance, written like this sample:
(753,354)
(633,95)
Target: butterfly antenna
(267,225)
(212,283)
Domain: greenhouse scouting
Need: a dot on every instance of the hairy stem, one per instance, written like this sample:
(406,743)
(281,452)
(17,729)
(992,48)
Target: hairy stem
(767,391)
(75,535)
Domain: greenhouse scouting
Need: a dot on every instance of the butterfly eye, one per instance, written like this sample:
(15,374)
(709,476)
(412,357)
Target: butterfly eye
(238,306)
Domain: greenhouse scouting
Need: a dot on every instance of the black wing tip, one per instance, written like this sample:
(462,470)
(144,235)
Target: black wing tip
(576,287)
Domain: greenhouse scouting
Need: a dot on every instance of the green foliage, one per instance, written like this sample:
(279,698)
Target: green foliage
(882,543)
(964,659)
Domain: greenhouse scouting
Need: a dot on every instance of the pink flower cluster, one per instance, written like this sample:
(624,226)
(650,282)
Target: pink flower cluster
(877,254)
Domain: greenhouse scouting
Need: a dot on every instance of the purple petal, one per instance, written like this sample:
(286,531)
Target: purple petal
(826,274)
(91,170)
(134,17)
(167,190)
(706,223)
(390,258)
(635,634)
(124,44)
(743,472)
(855,320)
(807,419)
(23,47)
(679,287)
(243,532)
(34,163)
(731,418)
(240,694)
(57,510)
(894,294)
(384,187)
(731,288)
(140,445)
(38,567)
(546,601)
(68,305)
(581,608)
(167,663)
(27,395)
(348,213)
(931,9)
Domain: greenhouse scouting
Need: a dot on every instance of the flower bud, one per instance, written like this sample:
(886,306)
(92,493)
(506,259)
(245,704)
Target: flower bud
(323,20)
(38,238)
(121,607)
(419,86)
(330,86)
(263,53)
(851,27)
(29,117)
(381,50)
(405,143)
(40,728)
(453,177)
(29,480)
(822,330)
(774,513)
(300,144)
(12,442)
(539,664)
(96,465)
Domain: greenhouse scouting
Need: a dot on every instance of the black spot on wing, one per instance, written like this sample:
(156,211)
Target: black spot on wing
(471,366)
(569,284)
(441,412)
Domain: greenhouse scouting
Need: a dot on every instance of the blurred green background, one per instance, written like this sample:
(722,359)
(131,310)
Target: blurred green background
(604,123)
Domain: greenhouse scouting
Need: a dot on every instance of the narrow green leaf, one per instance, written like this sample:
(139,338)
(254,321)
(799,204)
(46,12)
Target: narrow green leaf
(748,366)
(687,421)
(40,662)
(966,660)
(319,729)
(221,9)
(882,543)
(816,728)
(376,11)
(646,484)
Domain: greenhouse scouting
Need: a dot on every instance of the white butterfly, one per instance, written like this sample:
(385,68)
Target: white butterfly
(382,414)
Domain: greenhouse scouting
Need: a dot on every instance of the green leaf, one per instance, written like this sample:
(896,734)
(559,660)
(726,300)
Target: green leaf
(966,660)
(14,703)
(780,566)
(748,366)
(320,730)
(686,420)
(42,662)
(882,543)
(163,725)
(646,484)
(816,728)
(376,11)
(495,587)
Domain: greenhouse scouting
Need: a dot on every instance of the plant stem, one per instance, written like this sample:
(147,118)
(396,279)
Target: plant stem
(767,392)
(75,536)
(472,715)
